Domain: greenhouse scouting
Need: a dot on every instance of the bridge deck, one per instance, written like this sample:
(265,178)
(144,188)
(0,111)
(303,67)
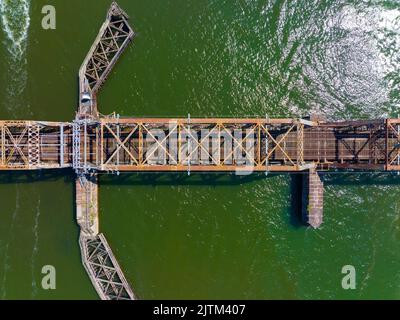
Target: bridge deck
(177,144)
(87,213)
(151,144)
(114,36)
(29,145)
(103,269)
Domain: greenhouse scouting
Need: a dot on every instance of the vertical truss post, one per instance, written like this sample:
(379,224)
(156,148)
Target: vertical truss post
(33,145)
(97,146)
(140,144)
(219,144)
(85,147)
(62,145)
(386,144)
(300,144)
(259,145)
(119,137)
(189,145)
(266,145)
(76,146)
(179,156)
(3,145)
(101,145)
(398,152)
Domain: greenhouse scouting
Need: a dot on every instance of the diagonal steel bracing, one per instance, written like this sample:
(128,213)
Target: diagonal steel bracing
(114,36)
(104,270)
(148,144)
(32,145)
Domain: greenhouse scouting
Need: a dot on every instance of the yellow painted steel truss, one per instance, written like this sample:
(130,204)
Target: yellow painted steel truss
(142,144)
(30,145)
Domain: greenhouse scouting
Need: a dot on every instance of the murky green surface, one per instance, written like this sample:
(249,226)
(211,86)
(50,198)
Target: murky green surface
(207,236)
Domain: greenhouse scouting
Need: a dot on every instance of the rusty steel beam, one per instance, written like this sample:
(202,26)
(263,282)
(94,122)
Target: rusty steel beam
(237,144)
(31,145)
(123,120)
(203,168)
(3,145)
(130,144)
(114,36)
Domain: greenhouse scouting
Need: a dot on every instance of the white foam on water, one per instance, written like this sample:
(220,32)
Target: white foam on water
(35,249)
(351,68)
(15,22)
(6,265)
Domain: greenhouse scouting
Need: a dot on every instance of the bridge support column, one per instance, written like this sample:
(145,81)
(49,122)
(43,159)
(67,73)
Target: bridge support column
(87,213)
(313,198)
(97,258)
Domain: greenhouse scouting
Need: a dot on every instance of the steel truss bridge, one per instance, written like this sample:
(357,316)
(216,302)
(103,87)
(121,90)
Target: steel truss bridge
(94,143)
(110,144)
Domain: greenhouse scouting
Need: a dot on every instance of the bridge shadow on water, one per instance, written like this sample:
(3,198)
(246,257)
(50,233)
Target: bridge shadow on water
(179,179)
(366,178)
(296,201)
(355,178)
(213,179)
(34,176)
(296,218)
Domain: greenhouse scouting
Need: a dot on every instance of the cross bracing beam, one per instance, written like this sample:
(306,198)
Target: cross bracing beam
(114,36)
(392,144)
(32,145)
(148,144)
(228,144)
(211,144)
(104,270)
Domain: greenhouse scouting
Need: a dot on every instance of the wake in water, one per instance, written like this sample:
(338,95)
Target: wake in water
(35,248)
(15,22)
(6,259)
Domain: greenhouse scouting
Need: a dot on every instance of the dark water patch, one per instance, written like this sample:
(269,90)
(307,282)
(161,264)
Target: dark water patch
(361,178)
(34,176)
(181,179)
(296,201)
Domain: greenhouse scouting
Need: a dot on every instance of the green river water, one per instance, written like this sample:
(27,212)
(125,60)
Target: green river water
(206,236)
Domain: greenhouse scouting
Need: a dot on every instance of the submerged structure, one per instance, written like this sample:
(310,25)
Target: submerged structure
(93,143)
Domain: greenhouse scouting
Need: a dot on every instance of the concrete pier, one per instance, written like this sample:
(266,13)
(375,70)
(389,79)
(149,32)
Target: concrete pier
(97,258)
(313,198)
(87,214)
